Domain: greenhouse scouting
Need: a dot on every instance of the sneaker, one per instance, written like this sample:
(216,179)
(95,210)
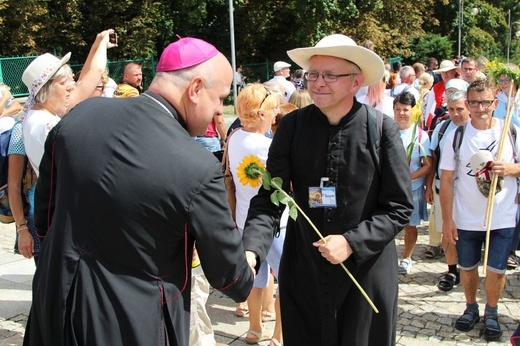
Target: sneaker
(405,266)
(433,252)
(512,262)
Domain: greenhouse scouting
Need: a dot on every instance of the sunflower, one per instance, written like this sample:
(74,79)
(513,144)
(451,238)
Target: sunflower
(250,170)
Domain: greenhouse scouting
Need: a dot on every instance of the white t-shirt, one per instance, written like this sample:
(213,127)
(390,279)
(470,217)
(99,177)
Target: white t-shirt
(469,204)
(35,128)
(434,143)
(418,151)
(400,88)
(243,144)
(288,86)
(386,105)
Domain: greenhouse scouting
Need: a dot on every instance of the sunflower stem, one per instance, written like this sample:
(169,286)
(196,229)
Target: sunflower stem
(279,188)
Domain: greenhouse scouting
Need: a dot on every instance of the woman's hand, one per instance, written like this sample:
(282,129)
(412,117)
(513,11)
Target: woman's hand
(25,243)
(104,38)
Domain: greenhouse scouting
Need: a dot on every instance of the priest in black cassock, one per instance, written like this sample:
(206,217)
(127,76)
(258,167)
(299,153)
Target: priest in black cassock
(123,194)
(355,158)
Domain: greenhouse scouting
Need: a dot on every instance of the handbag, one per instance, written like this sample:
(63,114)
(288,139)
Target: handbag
(228,178)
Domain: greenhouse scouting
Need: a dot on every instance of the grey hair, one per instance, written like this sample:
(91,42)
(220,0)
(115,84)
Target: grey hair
(406,71)
(457,95)
(46,90)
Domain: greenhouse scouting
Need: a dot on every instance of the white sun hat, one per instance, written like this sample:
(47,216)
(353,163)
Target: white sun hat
(41,70)
(343,47)
(446,65)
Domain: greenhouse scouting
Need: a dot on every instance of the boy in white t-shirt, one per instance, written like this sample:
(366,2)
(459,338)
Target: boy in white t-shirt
(463,213)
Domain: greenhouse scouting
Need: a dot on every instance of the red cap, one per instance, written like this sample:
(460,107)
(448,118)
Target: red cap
(185,52)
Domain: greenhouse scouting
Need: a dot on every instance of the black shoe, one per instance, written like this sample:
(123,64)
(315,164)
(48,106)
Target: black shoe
(492,330)
(467,321)
(448,281)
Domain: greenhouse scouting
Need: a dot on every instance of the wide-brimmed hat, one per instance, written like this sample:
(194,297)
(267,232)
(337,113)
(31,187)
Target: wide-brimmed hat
(41,70)
(446,65)
(343,47)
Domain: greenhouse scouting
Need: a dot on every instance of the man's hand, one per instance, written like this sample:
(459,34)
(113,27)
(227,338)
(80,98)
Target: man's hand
(449,232)
(335,248)
(503,169)
(251,260)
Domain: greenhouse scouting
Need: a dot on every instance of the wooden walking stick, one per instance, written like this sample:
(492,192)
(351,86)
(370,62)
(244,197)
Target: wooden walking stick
(494,178)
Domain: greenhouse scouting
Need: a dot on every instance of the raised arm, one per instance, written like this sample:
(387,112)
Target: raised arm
(92,69)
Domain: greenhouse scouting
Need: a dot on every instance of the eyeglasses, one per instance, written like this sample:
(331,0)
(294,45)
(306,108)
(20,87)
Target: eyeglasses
(100,87)
(327,77)
(504,80)
(267,94)
(485,103)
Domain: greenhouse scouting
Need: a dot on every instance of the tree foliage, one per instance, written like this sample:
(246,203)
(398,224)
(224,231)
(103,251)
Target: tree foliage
(263,29)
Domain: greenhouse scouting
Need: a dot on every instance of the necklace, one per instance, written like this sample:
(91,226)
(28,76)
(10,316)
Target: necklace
(160,104)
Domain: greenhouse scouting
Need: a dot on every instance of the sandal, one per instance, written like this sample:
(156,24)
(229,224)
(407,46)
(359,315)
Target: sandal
(241,311)
(492,330)
(448,281)
(268,316)
(275,342)
(467,321)
(263,335)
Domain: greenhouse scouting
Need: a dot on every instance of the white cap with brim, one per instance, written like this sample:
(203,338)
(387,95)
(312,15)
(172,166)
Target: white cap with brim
(446,65)
(280,65)
(41,70)
(343,47)
(457,83)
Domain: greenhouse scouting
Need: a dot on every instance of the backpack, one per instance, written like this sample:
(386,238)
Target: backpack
(28,178)
(442,131)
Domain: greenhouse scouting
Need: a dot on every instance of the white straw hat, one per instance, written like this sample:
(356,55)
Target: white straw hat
(341,46)
(446,65)
(41,70)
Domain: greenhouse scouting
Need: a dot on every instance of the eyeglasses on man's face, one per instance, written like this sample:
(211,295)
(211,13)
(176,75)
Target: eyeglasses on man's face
(312,76)
(485,103)
(504,80)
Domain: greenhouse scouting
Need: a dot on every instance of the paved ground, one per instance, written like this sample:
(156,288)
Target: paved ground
(426,315)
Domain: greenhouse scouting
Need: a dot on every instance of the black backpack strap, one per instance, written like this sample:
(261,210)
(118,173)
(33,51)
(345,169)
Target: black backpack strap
(442,131)
(512,138)
(375,133)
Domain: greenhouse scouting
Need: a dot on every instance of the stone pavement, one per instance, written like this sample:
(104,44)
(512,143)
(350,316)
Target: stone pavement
(426,315)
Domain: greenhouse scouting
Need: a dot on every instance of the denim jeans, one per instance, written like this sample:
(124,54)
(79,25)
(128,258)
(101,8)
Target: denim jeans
(469,249)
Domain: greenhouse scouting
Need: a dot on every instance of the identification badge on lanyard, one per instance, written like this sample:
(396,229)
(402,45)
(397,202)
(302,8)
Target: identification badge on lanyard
(321,196)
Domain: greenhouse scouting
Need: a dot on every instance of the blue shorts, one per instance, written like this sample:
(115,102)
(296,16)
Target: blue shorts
(419,207)
(469,249)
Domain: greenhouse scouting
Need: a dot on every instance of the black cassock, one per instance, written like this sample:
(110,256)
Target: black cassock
(123,193)
(320,305)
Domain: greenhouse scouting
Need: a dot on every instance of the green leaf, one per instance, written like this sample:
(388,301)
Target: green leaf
(293,212)
(278,181)
(274,198)
(266,180)
(283,198)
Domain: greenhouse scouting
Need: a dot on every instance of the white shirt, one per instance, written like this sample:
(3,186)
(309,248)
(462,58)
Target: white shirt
(469,204)
(243,144)
(400,88)
(35,128)
(386,105)
(288,86)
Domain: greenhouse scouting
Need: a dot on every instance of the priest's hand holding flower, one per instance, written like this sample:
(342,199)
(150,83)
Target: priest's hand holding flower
(334,248)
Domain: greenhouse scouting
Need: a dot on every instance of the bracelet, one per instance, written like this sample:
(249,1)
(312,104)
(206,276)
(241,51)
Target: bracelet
(21,228)
(22,224)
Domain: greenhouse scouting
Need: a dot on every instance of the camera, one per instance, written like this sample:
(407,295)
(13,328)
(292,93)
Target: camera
(112,38)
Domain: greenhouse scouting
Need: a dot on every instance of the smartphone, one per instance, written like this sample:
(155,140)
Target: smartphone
(113,38)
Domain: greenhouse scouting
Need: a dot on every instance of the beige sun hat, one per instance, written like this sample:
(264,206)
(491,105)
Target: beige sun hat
(341,46)
(41,70)
(446,65)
